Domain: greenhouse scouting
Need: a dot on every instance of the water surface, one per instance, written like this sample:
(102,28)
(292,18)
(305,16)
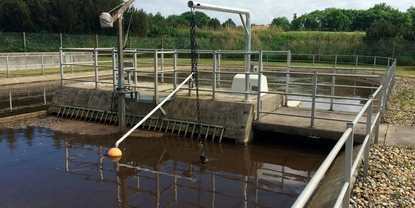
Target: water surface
(43,168)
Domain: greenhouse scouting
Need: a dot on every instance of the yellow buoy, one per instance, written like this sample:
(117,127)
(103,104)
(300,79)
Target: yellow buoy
(114,152)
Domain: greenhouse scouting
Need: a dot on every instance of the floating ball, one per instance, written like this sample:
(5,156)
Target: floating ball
(114,152)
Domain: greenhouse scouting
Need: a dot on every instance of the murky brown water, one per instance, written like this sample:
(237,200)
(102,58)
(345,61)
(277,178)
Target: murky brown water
(40,167)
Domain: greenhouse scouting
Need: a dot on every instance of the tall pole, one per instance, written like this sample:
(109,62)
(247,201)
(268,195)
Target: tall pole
(121,87)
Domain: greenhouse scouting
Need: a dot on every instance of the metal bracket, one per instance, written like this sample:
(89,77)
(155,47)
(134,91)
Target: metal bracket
(163,111)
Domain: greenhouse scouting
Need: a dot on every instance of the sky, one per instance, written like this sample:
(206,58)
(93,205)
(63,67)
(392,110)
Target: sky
(264,11)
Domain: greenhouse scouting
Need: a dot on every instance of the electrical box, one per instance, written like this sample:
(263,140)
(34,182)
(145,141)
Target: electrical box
(238,83)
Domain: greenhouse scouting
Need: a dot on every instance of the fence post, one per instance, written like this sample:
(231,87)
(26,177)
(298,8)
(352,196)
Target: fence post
(96,67)
(175,58)
(368,133)
(218,69)
(135,69)
(214,76)
(259,85)
(24,41)
(314,56)
(156,96)
(379,111)
(333,82)
(348,164)
(96,40)
(335,61)
(287,77)
(61,63)
(162,65)
(357,60)
(114,68)
(380,100)
(61,39)
(43,65)
(7,66)
(313,102)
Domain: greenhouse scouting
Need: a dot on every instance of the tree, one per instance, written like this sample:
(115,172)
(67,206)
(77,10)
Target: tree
(382,31)
(214,24)
(335,20)
(175,21)
(229,24)
(157,25)
(296,23)
(281,22)
(201,18)
(137,21)
(16,16)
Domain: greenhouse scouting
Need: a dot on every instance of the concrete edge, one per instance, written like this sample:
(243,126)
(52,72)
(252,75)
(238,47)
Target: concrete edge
(36,114)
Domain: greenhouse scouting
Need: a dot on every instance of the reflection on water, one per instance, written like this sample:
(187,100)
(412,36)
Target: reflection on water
(43,168)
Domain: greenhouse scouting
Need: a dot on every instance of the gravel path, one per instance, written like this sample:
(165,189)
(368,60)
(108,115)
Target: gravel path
(391,175)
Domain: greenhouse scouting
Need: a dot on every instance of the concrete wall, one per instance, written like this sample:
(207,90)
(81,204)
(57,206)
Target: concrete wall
(236,117)
(22,61)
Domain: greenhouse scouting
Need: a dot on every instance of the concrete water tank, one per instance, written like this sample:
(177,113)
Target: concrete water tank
(238,83)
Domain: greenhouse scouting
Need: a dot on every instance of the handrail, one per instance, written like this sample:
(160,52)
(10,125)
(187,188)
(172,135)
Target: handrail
(153,111)
(344,195)
(380,95)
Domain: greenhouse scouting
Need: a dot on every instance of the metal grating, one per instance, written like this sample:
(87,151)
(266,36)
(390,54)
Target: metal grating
(185,128)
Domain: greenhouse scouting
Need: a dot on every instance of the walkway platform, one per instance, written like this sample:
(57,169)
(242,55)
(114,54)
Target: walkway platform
(296,120)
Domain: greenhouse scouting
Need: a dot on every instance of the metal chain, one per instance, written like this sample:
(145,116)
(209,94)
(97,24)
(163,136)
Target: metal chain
(193,55)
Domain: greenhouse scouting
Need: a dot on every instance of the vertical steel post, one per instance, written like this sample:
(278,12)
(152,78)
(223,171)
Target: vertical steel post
(287,77)
(218,69)
(335,61)
(61,63)
(333,82)
(382,94)
(313,100)
(135,69)
(380,107)
(61,39)
(121,87)
(368,127)
(43,65)
(7,66)
(357,60)
(114,69)
(96,67)
(258,105)
(175,58)
(156,78)
(214,76)
(247,58)
(313,60)
(24,41)
(348,164)
(162,65)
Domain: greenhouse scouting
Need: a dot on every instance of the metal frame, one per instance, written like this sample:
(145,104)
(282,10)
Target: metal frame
(380,95)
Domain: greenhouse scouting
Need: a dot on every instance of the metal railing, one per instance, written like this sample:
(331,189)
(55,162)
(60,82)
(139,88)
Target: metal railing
(380,79)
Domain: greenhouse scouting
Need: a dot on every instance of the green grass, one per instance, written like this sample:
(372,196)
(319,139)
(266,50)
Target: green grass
(405,71)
